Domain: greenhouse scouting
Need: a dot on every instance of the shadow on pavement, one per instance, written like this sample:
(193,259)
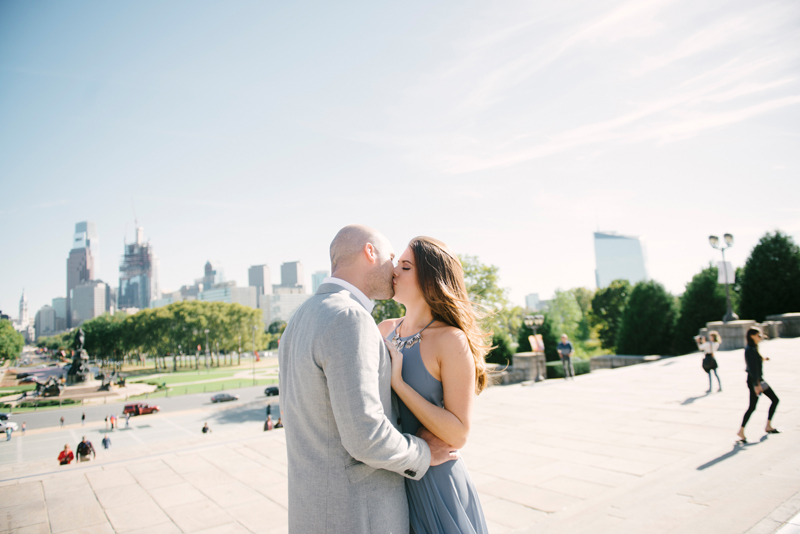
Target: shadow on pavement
(245,414)
(738,447)
(692,399)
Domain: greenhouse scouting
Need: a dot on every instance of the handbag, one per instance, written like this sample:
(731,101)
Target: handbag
(764,385)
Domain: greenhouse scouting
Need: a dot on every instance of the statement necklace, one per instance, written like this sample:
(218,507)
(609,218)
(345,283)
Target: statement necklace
(400,344)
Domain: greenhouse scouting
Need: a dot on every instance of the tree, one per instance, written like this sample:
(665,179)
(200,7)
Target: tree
(565,314)
(703,301)
(387,309)
(583,296)
(771,282)
(608,305)
(648,322)
(11,341)
(550,337)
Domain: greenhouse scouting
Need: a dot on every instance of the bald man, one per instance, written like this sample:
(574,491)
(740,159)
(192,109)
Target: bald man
(347,458)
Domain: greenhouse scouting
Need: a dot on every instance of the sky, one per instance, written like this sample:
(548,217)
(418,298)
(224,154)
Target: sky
(250,132)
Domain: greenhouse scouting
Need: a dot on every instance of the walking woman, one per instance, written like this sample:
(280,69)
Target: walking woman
(710,347)
(756,383)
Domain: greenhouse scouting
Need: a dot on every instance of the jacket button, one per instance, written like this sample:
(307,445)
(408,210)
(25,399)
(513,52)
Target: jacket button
(410,473)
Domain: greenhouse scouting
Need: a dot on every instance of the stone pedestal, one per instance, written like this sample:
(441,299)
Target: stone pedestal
(790,322)
(532,364)
(732,333)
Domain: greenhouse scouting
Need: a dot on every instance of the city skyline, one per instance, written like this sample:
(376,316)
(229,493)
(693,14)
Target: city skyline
(252,132)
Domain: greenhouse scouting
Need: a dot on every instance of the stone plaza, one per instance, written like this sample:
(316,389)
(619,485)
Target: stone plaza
(641,449)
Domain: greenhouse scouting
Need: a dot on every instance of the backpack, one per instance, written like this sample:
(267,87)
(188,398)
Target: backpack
(83,449)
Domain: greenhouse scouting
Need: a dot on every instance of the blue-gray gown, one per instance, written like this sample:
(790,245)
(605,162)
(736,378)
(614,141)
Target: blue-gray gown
(445,499)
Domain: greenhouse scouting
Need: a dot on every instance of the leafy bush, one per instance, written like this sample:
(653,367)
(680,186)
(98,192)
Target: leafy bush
(556,370)
(51,402)
(702,302)
(501,353)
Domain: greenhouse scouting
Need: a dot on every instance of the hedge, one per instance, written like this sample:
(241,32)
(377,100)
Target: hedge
(52,402)
(556,370)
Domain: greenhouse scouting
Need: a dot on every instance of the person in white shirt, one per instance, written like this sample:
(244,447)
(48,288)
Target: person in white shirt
(709,348)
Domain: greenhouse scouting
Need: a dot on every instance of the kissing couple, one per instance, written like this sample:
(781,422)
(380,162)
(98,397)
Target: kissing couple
(363,459)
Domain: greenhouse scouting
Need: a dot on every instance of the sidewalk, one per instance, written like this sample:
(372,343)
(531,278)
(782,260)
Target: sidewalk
(635,450)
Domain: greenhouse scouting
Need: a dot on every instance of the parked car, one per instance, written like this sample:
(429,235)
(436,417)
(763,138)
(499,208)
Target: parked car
(224,397)
(4,416)
(140,408)
(8,424)
(271,391)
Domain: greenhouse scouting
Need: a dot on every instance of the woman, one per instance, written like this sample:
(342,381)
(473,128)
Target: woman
(65,457)
(438,367)
(755,382)
(710,362)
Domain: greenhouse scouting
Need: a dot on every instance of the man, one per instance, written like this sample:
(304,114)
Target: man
(565,350)
(347,459)
(106,442)
(84,449)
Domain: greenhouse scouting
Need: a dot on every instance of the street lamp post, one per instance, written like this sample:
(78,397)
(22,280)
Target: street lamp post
(534,322)
(254,355)
(239,354)
(714,241)
(181,354)
(206,330)
(217,353)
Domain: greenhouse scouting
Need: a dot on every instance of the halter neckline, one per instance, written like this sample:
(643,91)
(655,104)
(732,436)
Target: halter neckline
(409,341)
(396,328)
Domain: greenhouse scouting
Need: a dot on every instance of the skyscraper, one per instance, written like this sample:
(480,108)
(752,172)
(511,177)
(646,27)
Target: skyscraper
(532,302)
(45,322)
(138,275)
(88,301)
(60,308)
(23,310)
(618,257)
(292,274)
(259,277)
(80,263)
(316,280)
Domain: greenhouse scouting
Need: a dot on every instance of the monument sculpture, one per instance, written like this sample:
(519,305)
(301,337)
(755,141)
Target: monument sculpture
(79,372)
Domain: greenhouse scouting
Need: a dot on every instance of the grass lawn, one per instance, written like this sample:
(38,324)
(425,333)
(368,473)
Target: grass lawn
(211,387)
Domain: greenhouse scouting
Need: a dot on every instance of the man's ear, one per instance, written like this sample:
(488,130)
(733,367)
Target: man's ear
(371,252)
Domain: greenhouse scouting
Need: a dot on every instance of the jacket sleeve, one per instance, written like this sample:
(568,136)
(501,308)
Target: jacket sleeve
(350,358)
(753,360)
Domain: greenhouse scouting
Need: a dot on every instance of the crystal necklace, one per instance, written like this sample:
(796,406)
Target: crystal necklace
(400,344)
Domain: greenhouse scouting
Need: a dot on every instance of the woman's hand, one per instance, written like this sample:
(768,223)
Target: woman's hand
(397,365)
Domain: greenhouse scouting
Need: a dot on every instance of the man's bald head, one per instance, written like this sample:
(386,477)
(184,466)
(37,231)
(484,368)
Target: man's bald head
(363,256)
(349,244)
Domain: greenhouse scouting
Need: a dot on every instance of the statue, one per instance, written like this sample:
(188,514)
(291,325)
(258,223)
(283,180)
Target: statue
(79,372)
(51,388)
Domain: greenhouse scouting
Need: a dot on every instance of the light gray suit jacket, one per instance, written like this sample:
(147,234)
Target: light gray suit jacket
(347,457)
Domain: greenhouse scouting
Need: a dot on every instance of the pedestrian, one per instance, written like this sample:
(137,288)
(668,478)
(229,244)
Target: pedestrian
(279,424)
(65,457)
(113,420)
(106,442)
(8,433)
(106,422)
(84,449)
(268,425)
(83,419)
(127,420)
(709,348)
(62,421)
(565,350)
(206,429)
(756,383)
(269,409)
(23,428)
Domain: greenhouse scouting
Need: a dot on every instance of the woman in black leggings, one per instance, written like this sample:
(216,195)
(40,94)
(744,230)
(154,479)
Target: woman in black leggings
(756,382)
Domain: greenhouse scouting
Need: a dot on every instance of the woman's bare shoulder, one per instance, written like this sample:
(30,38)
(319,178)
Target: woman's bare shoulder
(449,339)
(388,325)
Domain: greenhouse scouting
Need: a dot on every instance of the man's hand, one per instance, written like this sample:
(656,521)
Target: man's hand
(759,390)
(441,452)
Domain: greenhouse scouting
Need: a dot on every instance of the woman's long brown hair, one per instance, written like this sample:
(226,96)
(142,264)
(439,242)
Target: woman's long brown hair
(441,279)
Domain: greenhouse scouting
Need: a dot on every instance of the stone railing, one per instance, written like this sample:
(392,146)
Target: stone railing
(612,361)
(790,324)
(527,366)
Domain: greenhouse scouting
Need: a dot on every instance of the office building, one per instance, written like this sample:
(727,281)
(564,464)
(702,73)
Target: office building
(292,275)
(532,302)
(60,307)
(618,257)
(259,277)
(246,296)
(316,280)
(81,261)
(45,322)
(87,301)
(283,305)
(138,274)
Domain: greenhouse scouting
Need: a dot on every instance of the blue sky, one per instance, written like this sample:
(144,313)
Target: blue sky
(249,132)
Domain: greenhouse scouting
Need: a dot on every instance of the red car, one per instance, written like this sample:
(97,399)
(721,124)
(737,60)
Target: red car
(140,408)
